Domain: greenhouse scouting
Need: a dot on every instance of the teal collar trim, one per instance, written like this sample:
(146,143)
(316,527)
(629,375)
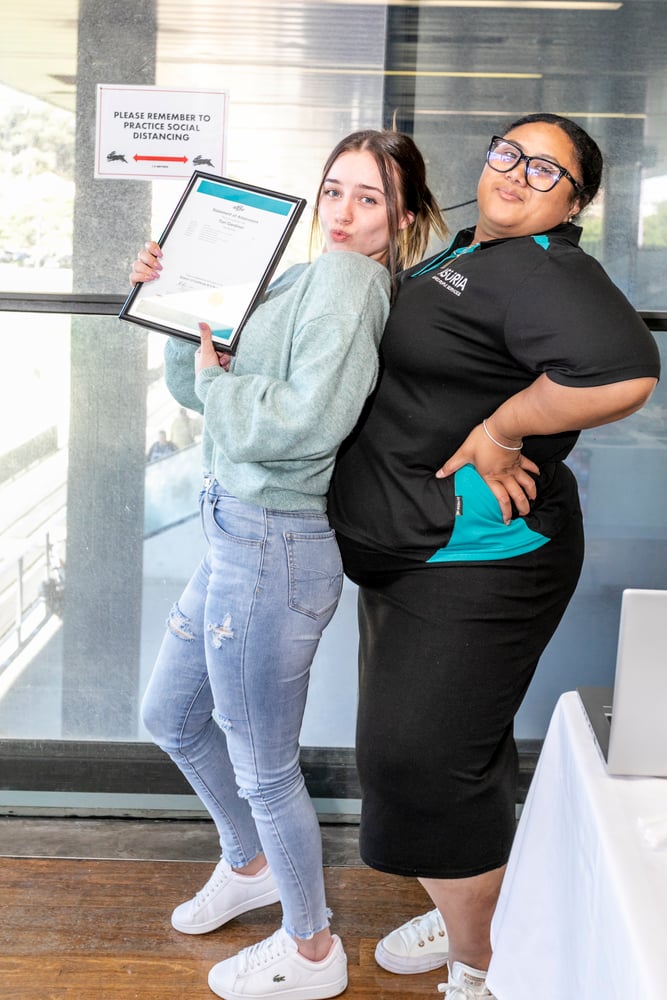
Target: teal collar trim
(443,258)
(542,241)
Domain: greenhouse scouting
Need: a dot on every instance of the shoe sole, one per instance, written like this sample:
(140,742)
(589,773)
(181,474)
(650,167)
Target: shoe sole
(300,993)
(273,896)
(409,966)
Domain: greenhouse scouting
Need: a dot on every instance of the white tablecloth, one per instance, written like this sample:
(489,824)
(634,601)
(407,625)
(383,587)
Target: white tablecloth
(583,909)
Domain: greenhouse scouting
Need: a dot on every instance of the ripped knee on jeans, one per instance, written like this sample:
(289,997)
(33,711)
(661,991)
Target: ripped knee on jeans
(179,624)
(221,632)
(222,721)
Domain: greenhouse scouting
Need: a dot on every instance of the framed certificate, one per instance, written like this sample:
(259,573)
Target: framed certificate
(221,247)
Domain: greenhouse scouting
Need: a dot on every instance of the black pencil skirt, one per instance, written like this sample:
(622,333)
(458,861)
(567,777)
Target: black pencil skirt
(447,652)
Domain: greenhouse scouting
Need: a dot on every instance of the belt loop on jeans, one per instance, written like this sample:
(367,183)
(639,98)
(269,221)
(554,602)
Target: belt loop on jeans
(208,481)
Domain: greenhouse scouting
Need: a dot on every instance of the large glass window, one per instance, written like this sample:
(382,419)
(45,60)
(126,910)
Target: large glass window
(97,531)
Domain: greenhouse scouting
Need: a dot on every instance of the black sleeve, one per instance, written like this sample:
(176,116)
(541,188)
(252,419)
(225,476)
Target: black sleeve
(570,320)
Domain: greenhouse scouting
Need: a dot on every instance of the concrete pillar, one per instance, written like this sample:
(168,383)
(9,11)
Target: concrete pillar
(103,590)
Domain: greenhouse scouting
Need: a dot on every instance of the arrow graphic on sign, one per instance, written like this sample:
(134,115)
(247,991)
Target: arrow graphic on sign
(162,159)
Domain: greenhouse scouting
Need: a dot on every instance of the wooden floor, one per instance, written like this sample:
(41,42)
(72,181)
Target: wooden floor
(99,930)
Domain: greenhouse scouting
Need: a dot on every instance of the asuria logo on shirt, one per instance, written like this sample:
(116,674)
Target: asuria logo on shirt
(452,280)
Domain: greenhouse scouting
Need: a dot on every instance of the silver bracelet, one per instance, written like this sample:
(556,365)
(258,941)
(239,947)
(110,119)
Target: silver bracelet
(490,436)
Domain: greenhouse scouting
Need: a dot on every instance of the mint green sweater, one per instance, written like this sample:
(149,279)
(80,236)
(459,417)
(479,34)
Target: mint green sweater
(306,361)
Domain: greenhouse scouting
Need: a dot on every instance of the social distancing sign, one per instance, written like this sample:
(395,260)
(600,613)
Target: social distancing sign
(153,132)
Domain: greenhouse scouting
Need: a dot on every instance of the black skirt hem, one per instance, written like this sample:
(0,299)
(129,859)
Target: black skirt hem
(422,872)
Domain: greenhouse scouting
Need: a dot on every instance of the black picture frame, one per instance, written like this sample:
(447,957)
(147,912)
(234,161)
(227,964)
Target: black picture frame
(221,247)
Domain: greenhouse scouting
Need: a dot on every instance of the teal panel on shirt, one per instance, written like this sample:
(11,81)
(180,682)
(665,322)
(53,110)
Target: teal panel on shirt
(479,531)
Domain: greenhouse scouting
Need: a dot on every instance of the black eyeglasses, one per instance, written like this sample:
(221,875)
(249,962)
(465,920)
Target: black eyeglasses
(541,174)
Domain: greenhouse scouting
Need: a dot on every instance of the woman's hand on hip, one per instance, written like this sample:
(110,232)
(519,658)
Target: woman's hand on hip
(506,472)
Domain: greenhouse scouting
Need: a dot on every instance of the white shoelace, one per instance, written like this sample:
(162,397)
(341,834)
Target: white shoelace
(263,952)
(424,928)
(218,878)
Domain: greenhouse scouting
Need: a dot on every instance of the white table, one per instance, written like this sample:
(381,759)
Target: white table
(583,910)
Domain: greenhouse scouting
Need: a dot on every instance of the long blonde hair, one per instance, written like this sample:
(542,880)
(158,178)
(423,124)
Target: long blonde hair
(403,173)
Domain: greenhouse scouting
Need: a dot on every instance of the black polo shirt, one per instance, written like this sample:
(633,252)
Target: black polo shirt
(471,327)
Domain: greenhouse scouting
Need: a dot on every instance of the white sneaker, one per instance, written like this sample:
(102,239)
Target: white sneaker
(419,945)
(465,983)
(274,968)
(225,895)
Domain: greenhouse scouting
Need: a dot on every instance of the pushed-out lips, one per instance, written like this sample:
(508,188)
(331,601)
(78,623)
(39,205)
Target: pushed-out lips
(509,192)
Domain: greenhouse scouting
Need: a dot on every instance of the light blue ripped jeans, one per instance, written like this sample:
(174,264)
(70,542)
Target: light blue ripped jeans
(228,691)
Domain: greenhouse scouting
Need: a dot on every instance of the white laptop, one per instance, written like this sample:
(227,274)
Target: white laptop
(630,720)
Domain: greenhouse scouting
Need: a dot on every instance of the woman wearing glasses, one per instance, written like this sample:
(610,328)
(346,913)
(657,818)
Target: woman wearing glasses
(497,352)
